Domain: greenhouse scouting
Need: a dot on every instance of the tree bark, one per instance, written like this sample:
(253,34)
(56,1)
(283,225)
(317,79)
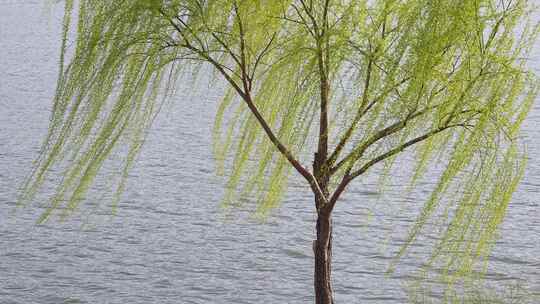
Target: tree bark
(322,249)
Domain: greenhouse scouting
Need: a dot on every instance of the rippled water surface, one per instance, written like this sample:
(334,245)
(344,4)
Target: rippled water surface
(170,241)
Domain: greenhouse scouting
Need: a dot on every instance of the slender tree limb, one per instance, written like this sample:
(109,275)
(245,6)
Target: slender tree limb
(357,152)
(400,148)
(345,138)
(246,96)
(348,176)
(262,54)
(304,21)
(309,13)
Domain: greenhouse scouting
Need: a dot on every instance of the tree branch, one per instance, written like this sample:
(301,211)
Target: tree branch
(359,114)
(396,127)
(348,177)
(246,96)
(400,148)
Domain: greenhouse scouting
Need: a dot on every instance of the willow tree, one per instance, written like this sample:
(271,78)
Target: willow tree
(325,89)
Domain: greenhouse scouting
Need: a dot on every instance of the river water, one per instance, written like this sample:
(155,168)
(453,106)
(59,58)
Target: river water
(171,242)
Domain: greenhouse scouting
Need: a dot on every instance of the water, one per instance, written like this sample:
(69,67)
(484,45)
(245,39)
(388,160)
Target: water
(170,241)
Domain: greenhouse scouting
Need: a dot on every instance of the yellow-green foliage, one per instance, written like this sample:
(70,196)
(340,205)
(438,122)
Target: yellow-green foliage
(447,77)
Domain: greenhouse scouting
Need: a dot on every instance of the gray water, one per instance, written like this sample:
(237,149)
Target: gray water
(170,242)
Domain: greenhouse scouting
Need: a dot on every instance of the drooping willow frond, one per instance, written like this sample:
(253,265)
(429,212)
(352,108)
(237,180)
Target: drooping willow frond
(107,96)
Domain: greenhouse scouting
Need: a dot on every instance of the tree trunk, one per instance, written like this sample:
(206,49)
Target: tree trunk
(322,249)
